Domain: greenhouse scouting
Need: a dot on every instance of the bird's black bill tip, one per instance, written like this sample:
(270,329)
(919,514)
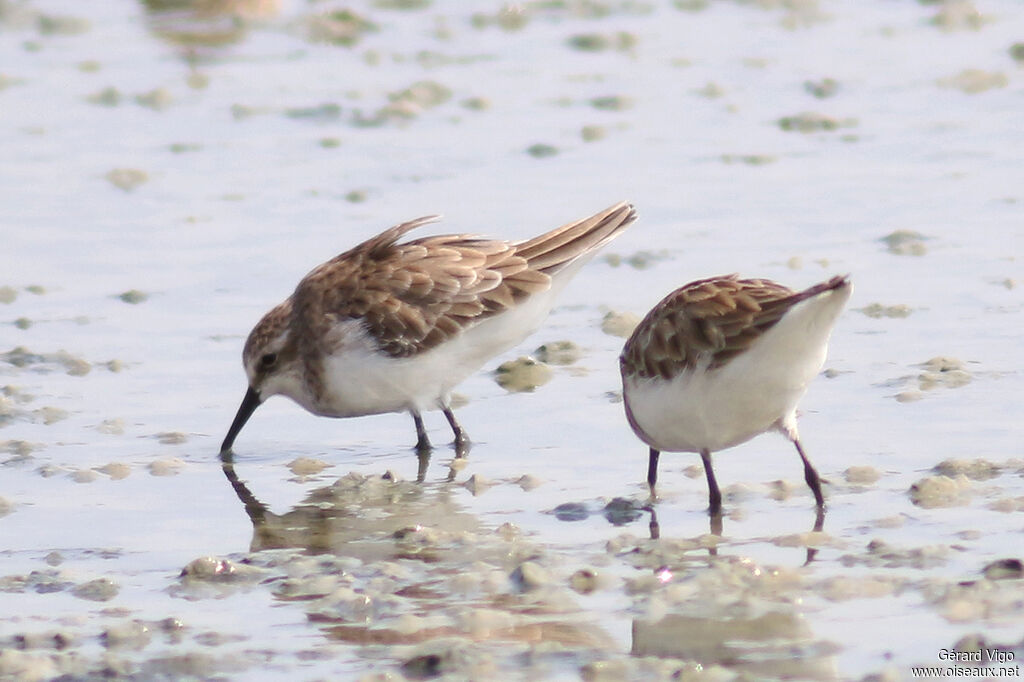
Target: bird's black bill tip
(249,404)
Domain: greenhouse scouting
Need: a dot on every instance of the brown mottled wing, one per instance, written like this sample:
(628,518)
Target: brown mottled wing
(414,296)
(711,320)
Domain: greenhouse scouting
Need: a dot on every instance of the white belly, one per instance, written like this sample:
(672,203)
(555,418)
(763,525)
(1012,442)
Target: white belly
(360,381)
(720,408)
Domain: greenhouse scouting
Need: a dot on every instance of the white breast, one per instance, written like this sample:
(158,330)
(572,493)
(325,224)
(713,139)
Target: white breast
(360,380)
(720,408)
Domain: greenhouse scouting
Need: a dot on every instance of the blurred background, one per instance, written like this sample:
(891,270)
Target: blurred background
(170,169)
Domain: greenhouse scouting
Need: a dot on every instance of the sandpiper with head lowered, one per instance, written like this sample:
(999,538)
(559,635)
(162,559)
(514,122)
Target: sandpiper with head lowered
(393,327)
(721,360)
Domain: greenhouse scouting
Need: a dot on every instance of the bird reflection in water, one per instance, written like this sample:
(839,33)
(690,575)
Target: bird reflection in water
(715,526)
(352,515)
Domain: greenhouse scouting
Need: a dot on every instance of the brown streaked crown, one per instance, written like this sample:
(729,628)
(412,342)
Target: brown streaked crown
(270,326)
(711,320)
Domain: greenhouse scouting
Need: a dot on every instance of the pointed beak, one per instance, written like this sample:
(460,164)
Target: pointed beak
(249,404)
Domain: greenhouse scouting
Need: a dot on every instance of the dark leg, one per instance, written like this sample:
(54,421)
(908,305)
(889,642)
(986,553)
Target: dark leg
(653,525)
(819,523)
(810,475)
(461,439)
(715,524)
(714,496)
(652,479)
(652,469)
(423,459)
(715,528)
(422,440)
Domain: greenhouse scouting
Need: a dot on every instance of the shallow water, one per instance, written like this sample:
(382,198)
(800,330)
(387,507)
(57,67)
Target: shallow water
(250,149)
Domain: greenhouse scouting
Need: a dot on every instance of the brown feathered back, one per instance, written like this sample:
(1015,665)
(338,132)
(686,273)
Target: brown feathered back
(414,296)
(711,320)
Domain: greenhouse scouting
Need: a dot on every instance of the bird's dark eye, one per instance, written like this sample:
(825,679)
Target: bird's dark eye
(268,360)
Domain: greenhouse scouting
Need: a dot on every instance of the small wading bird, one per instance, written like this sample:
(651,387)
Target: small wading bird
(389,327)
(721,360)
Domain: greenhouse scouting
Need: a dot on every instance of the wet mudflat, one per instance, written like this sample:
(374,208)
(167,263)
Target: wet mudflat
(171,169)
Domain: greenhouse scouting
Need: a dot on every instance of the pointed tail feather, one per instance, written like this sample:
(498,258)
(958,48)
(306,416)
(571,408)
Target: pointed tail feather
(554,250)
(837,282)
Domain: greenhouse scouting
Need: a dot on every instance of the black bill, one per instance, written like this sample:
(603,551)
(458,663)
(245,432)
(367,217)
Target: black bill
(249,404)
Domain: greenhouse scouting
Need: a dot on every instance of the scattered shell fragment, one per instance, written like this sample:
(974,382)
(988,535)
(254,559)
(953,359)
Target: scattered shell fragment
(50,415)
(133,296)
(127,178)
(958,15)
(881,553)
(476,103)
(18,448)
(426,666)
(307,466)
(974,81)
(339,27)
(541,150)
(619,324)
(530,575)
(1008,505)
(523,374)
(477,484)
(584,581)
(171,437)
(115,470)
(812,122)
(571,511)
(1004,569)
(641,260)
(107,97)
(101,589)
(822,89)
(129,635)
(710,90)
(327,111)
(157,100)
(844,588)
(941,491)
(528,482)
(211,568)
(974,469)
(878,310)
(612,103)
(621,511)
(943,363)
(905,243)
(943,371)
(44,640)
(558,353)
(83,476)
(112,427)
(598,42)
(8,294)
(511,17)
(609,670)
(750,159)
(861,475)
(166,466)
(808,539)
(52,24)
